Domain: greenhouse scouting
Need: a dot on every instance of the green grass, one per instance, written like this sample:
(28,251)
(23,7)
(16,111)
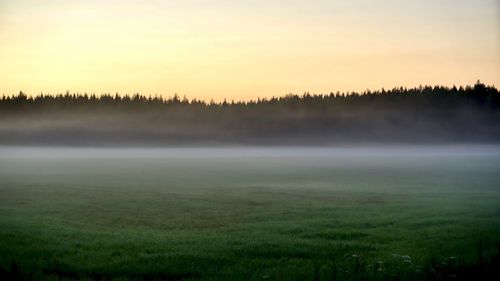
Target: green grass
(336,217)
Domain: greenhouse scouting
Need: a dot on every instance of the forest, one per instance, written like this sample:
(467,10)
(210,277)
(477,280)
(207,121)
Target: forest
(425,114)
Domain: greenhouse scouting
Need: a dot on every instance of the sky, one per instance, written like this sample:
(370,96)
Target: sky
(244,49)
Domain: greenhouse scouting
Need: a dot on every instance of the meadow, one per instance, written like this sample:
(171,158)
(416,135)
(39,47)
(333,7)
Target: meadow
(424,213)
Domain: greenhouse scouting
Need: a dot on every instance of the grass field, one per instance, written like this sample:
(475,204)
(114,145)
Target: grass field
(250,214)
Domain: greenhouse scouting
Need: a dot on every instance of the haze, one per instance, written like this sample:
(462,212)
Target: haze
(244,49)
(304,152)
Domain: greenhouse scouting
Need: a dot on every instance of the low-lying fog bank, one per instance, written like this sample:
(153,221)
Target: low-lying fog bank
(248,152)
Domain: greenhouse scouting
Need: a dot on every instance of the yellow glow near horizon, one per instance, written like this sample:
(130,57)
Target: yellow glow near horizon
(245,49)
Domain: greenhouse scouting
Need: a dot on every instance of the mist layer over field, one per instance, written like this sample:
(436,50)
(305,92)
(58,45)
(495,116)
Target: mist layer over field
(281,213)
(304,153)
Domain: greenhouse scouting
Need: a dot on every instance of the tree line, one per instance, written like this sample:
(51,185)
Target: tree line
(425,114)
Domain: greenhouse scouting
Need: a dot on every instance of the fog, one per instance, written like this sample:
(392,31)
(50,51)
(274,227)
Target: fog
(341,152)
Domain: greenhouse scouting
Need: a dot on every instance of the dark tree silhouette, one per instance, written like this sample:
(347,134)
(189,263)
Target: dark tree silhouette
(418,115)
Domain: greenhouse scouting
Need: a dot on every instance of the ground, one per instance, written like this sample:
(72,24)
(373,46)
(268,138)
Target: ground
(317,214)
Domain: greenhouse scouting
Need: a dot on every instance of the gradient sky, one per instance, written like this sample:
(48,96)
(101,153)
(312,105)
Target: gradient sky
(245,49)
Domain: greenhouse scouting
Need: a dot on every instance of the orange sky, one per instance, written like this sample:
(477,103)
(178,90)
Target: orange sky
(245,49)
